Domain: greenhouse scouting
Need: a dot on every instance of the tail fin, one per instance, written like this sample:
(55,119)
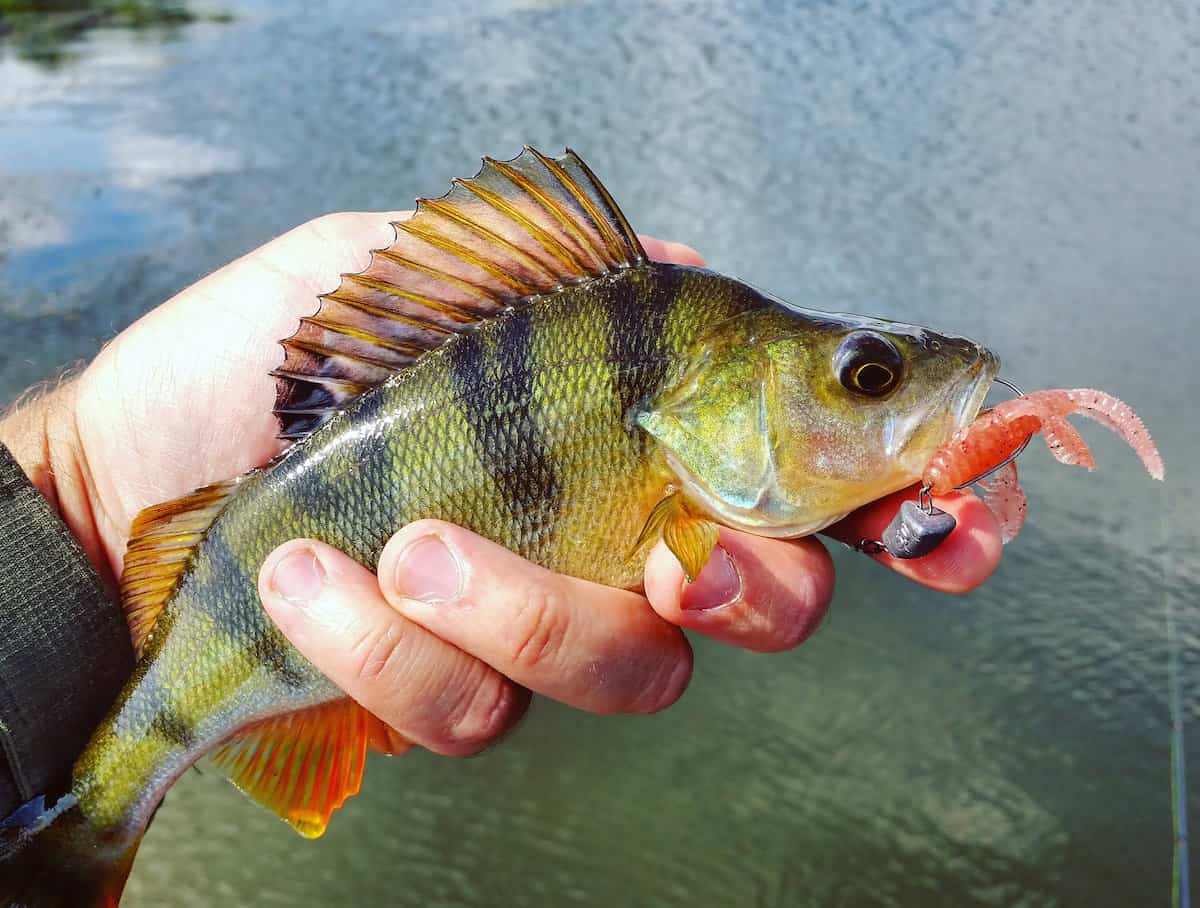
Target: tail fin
(50,858)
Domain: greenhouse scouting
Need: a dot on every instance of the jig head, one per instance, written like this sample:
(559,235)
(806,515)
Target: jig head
(919,526)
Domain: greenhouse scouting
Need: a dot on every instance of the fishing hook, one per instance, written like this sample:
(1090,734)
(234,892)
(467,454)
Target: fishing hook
(918,529)
(1005,462)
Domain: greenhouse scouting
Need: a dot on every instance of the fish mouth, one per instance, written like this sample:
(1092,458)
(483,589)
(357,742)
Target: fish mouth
(977,382)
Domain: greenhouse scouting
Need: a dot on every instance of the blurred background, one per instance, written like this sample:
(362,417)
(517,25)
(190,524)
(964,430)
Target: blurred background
(1025,173)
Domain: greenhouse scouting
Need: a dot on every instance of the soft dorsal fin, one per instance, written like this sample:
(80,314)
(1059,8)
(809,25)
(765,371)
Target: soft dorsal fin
(303,765)
(516,229)
(162,541)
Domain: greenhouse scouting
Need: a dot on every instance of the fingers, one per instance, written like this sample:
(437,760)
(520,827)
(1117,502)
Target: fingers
(964,560)
(771,594)
(666,251)
(760,594)
(331,245)
(590,646)
(432,693)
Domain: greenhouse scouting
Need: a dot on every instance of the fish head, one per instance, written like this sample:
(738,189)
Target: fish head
(786,420)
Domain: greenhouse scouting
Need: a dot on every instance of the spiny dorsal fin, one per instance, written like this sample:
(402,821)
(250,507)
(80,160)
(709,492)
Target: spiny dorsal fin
(516,229)
(161,543)
(304,765)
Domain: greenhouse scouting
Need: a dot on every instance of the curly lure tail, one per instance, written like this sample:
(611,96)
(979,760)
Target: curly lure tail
(51,858)
(998,432)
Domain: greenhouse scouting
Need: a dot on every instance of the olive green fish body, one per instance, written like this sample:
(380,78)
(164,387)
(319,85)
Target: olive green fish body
(521,431)
(513,364)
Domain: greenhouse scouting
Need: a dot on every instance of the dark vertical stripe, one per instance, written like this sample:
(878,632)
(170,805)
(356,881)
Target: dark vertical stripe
(228,587)
(270,649)
(173,728)
(637,319)
(227,576)
(494,381)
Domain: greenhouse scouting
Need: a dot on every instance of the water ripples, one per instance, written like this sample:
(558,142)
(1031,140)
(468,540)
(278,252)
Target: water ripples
(971,168)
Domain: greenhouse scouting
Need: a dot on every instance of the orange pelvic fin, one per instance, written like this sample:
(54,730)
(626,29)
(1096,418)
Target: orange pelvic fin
(303,765)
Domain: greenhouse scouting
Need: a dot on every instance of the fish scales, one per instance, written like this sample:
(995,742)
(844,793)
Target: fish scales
(519,431)
(512,363)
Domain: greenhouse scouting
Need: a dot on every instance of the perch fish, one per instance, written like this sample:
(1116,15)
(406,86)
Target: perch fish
(514,363)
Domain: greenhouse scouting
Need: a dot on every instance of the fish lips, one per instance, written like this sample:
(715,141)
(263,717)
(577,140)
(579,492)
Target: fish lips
(965,405)
(908,437)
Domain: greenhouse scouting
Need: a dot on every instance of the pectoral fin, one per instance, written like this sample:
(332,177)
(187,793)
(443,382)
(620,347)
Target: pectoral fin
(691,539)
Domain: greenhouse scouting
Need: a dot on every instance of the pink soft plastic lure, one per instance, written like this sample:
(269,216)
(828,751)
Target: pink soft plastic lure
(998,432)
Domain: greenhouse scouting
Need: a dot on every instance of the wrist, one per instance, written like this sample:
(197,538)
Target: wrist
(42,437)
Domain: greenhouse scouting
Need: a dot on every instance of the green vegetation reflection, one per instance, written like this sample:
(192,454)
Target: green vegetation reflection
(46,31)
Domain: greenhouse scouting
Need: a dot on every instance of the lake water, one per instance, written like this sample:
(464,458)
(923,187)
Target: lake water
(1024,173)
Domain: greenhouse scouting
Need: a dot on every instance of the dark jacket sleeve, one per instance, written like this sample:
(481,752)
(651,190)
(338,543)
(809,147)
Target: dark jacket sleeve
(64,648)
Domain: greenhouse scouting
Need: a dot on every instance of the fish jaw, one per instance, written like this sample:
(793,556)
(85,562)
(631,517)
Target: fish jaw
(914,438)
(966,405)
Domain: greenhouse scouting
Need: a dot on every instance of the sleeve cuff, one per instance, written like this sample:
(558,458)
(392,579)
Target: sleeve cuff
(64,647)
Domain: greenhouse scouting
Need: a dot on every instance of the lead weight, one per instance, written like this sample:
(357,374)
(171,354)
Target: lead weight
(915,532)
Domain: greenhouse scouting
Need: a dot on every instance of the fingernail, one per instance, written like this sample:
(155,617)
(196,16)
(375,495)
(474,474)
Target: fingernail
(718,584)
(427,570)
(298,577)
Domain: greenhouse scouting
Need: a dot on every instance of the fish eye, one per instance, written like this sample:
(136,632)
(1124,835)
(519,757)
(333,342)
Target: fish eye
(867,363)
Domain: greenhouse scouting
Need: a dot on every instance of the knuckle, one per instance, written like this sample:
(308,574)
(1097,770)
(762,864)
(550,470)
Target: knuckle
(787,629)
(484,712)
(539,628)
(789,635)
(378,654)
(669,683)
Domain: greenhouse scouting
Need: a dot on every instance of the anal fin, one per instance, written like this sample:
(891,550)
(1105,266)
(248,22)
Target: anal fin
(304,765)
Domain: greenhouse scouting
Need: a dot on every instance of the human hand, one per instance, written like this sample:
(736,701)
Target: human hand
(183,398)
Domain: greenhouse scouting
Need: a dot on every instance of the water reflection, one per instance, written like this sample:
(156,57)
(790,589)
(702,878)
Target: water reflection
(80,184)
(1025,174)
(48,32)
